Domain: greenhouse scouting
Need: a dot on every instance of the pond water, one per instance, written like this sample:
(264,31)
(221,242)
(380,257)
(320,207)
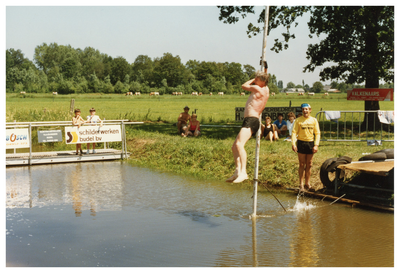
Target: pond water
(114,214)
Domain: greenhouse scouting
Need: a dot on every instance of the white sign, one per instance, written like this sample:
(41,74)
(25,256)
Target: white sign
(49,136)
(92,134)
(17,138)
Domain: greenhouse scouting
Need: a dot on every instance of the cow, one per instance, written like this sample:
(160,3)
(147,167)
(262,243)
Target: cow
(137,93)
(210,94)
(273,94)
(154,94)
(287,94)
(326,94)
(128,94)
(301,94)
(23,92)
(174,93)
(221,93)
(179,93)
(200,94)
(242,94)
(311,93)
(195,94)
(54,93)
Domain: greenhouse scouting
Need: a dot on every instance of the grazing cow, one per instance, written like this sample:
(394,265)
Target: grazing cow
(301,94)
(242,94)
(273,94)
(311,93)
(326,94)
(128,94)
(154,94)
(137,93)
(210,93)
(174,93)
(23,92)
(287,94)
(221,93)
(195,94)
(200,94)
(179,94)
(54,93)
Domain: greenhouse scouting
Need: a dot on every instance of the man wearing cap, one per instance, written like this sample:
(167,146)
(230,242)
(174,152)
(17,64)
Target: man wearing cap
(305,141)
(182,121)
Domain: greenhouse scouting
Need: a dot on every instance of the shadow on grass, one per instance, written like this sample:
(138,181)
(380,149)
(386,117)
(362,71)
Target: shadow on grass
(208,132)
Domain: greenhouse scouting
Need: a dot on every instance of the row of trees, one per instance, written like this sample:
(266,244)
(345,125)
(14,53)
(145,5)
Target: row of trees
(63,69)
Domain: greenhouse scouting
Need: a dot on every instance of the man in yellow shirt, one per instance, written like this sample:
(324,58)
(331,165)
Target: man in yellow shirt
(304,130)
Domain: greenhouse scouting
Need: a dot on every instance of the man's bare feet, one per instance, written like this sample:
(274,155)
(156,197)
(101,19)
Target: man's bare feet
(241,178)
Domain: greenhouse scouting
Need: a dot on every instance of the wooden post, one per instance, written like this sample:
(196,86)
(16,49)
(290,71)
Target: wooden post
(72,105)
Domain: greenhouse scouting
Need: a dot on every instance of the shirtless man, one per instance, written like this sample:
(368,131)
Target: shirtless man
(182,121)
(254,106)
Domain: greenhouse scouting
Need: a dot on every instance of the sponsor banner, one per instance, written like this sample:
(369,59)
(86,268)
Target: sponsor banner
(370,94)
(17,138)
(269,111)
(92,134)
(49,136)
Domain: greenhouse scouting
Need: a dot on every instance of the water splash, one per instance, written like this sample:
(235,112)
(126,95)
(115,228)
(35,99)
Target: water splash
(302,204)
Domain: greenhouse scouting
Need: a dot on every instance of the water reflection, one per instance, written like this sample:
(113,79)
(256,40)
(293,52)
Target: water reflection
(113,214)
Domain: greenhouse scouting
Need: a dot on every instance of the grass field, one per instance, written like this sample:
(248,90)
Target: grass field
(156,145)
(210,110)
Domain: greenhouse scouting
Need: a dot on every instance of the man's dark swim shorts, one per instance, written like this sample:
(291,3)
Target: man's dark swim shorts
(305,147)
(252,123)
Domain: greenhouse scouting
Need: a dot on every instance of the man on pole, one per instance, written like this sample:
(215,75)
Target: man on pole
(259,94)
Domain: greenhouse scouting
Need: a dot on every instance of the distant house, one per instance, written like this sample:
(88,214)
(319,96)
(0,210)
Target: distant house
(294,90)
(332,90)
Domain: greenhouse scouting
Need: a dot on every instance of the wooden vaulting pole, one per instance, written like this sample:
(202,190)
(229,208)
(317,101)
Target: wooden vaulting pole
(258,137)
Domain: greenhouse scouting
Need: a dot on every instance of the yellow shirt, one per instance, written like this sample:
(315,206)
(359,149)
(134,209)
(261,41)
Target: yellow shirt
(304,129)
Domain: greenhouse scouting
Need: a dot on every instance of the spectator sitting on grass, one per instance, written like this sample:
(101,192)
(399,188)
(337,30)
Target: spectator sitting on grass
(194,127)
(269,130)
(281,125)
(182,121)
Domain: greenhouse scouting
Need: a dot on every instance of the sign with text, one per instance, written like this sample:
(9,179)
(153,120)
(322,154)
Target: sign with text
(17,138)
(49,136)
(92,134)
(269,111)
(370,94)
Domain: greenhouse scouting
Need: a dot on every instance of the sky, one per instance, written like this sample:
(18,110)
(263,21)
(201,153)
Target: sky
(190,32)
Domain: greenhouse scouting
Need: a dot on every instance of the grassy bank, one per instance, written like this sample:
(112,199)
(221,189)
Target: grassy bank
(156,145)
(210,157)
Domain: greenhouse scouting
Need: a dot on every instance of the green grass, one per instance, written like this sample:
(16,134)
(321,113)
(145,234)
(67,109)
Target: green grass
(156,145)
(166,108)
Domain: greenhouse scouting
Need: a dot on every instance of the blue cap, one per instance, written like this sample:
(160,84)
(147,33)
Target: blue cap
(305,105)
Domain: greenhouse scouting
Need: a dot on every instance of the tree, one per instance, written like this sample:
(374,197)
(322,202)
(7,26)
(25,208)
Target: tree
(290,85)
(359,40)
(119,69)
(317,87)
(170,68)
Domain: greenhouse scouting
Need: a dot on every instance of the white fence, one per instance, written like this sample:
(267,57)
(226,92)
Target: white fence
(347,126)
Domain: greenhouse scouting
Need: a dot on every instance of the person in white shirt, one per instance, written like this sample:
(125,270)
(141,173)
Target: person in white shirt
(93,118)
(289,124)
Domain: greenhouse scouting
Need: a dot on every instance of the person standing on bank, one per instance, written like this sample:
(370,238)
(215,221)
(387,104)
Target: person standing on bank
(93,118)
(78,121)
(259,94)
(305,141)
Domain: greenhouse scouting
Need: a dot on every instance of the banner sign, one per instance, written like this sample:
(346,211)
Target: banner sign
(370,94)
(17,138)
(49,136)
(269,111)
(92,134)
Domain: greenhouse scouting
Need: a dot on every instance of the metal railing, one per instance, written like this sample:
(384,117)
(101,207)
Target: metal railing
(30,125)
(349,127)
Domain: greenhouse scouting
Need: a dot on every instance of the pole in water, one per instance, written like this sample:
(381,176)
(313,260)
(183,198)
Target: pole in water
(263,59)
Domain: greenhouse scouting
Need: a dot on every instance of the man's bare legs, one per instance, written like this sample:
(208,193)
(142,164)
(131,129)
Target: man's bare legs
(240,156)
(305,162)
